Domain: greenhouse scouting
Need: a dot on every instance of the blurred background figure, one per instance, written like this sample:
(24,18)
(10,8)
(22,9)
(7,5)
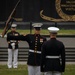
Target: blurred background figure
(12,48)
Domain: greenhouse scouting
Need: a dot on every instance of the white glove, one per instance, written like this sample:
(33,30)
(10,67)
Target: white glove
(13,45)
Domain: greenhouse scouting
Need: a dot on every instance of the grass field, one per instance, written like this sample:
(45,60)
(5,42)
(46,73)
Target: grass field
(45,32)
(22,70)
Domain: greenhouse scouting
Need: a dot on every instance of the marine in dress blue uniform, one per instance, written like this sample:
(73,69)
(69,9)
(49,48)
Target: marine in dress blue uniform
(52,51)
(35,42)
(12,48)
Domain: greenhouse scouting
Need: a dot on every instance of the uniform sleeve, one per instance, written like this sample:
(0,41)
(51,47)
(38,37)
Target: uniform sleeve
(43,58)
(7,37)
(63,58)
(19,37)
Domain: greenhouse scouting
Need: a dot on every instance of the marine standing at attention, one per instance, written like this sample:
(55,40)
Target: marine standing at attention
(52,51)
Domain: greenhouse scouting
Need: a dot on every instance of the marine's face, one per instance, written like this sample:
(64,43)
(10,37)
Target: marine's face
(36,31)
(13,29)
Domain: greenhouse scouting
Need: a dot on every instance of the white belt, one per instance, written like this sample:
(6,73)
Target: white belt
(35,51)
(52,57)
